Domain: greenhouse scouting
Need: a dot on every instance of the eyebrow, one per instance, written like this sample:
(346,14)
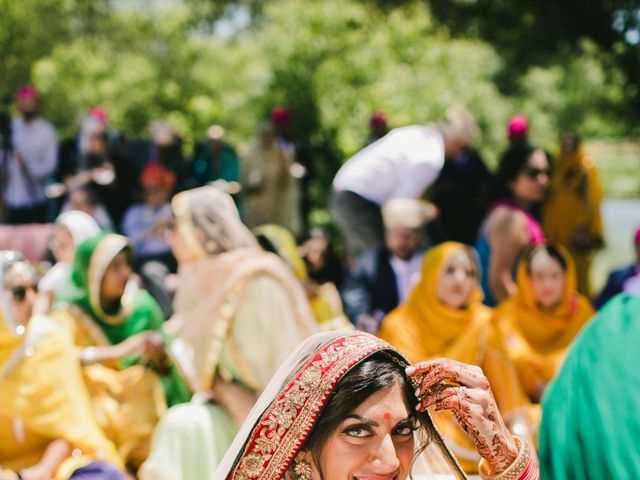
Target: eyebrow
(370,422)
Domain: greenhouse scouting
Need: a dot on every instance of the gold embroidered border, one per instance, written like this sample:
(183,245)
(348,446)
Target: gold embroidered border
(284,426)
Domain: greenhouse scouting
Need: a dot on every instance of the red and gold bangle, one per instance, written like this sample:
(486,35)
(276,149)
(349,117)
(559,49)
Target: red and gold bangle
(524,467)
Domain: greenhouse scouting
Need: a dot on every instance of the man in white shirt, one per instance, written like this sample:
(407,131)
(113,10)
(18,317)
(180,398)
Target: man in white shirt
(31,160)
(382,278)
(402,164)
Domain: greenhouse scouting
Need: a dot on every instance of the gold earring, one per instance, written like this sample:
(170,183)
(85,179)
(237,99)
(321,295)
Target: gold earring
(302,470)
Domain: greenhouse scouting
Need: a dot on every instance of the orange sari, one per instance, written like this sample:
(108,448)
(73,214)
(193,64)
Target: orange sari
(424,328)
(536,340)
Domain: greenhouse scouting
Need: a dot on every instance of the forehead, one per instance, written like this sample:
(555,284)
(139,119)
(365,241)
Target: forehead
(541,261)
(538,159)
(19,274)
(458,259)
(384,403)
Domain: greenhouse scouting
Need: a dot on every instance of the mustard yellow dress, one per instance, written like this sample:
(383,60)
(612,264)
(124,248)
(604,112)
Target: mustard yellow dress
(537,341)
(424,328)
(571,215)
(43,399)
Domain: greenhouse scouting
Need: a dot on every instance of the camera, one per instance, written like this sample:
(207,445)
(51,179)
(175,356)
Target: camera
(6,143)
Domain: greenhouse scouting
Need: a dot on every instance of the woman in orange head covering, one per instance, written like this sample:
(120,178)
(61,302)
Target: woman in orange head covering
(444,317)
(539,322)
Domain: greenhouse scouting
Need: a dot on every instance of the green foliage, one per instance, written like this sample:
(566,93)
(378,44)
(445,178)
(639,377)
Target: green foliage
(331,62)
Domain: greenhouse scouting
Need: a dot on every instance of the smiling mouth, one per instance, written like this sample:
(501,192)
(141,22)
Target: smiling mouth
(395,476)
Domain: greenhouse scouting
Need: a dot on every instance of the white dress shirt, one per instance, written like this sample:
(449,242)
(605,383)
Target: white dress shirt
(402,164)
(36,143)
(407,274)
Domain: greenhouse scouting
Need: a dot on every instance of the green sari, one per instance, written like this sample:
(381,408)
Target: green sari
(590,422)
(138,311)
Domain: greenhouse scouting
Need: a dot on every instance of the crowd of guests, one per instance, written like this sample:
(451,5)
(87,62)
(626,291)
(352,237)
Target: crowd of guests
(186,346)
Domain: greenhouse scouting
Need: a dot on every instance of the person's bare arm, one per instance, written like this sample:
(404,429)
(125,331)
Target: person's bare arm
(508,234)
(234,398)
(55,453)
(134,345)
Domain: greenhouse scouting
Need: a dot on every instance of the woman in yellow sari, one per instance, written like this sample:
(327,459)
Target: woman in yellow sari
(47,426)
(572,211)
(324,300)
(116,327)
(540,321)
(444,317)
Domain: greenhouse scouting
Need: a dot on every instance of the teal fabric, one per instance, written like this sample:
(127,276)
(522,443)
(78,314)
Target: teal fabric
(591,412)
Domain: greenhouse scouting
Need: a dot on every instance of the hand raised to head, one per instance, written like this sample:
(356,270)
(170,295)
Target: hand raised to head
(463,390)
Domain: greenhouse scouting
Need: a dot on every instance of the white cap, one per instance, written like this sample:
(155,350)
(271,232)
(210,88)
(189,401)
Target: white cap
(408,212)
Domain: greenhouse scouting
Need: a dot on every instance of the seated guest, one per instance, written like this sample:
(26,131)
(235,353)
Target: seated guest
(383,277)
(47,427)
(320,257)
(540,321)
(117,328)
(71,228)
(349,406)
(84,199)
(239,312)
(145,224)
(626,279)
(510,226)
(444,317)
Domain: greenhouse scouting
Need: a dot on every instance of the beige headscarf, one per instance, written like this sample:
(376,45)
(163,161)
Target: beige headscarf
(208,220)
(212,289)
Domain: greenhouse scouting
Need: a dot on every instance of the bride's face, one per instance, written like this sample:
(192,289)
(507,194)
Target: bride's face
(375,442)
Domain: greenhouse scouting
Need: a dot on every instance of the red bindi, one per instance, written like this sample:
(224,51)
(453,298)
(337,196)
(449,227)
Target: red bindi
(387,415)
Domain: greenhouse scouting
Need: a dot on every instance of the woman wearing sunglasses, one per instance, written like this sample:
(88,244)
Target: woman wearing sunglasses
(511,225)
(47,427)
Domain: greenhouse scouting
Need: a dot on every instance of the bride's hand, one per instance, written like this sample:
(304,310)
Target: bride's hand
(464,391)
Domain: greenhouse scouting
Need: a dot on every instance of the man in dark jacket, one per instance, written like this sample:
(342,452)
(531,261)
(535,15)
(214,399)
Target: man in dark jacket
(382,277)
(620,280)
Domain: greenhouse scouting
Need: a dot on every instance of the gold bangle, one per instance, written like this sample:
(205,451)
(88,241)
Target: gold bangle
(515,470)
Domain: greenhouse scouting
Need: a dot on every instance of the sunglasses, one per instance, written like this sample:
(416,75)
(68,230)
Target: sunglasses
(533,173)
(19,292)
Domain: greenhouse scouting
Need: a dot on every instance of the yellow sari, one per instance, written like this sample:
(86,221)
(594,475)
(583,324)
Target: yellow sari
(535,340)
(43,398)
(424,328)
(572,210)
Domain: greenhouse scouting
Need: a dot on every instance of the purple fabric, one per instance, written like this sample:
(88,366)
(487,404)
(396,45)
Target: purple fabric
(97,471)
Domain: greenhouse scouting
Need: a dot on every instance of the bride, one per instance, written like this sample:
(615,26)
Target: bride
(348,406)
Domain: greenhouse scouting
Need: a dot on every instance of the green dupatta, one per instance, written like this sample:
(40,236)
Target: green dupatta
(591,422)
(138,310)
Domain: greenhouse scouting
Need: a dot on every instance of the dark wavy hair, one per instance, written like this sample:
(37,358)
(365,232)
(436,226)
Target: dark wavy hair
(380,371)
(552,251)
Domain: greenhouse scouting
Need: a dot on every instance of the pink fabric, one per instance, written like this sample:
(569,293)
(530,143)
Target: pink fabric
(99,113)
(518,125)
(378,118)
(536,234)
(281,116)
(30,240)
(27,91)
(636,238)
